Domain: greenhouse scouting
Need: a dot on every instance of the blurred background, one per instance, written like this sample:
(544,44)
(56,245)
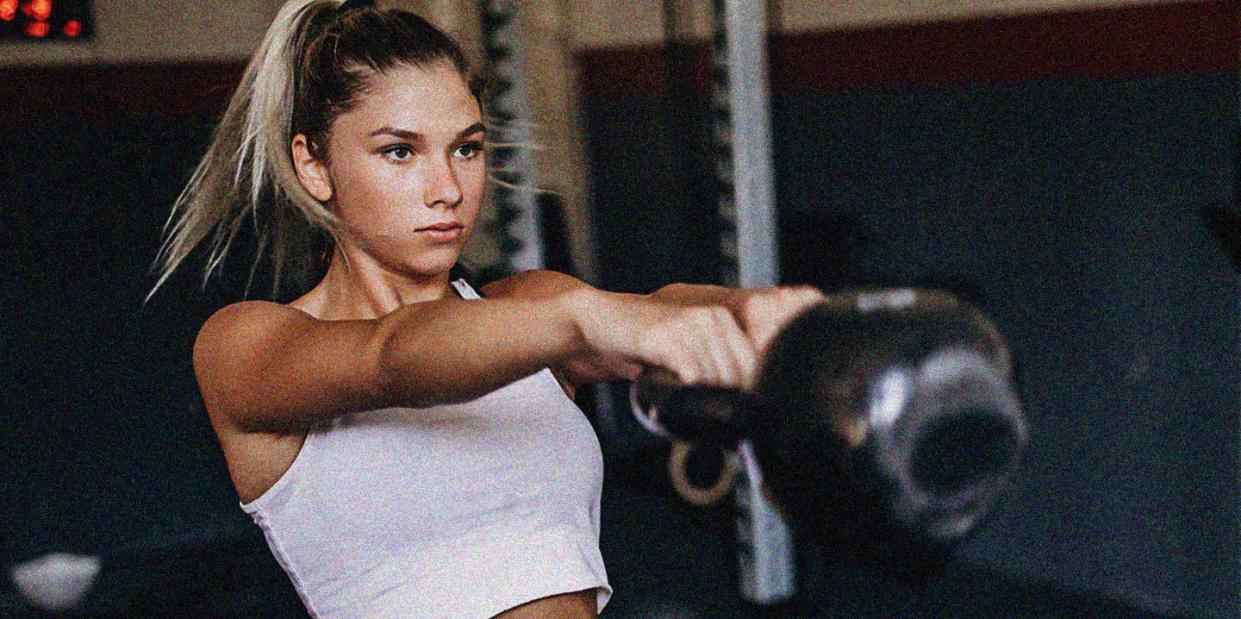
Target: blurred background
(1072,166)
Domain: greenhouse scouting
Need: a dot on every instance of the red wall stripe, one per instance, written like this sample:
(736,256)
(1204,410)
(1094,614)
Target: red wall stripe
(116,92)
(1198,37)
(1189,37)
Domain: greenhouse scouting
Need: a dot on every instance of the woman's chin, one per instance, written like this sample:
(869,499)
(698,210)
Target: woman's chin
(428,266)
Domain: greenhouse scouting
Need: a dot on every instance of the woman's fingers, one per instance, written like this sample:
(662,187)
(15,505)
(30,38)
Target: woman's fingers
(708,345)
(739,351)
(713,349)
(719,362)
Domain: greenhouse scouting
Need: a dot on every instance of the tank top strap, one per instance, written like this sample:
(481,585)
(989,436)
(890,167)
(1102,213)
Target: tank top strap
(464,289)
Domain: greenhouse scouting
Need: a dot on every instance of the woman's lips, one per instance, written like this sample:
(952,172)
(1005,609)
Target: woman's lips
(441,233)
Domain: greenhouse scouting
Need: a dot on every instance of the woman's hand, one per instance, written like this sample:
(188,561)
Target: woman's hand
(701,345)
(764,312)
(761,312)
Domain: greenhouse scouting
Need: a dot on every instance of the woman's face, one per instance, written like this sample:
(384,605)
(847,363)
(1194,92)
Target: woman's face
(407,169)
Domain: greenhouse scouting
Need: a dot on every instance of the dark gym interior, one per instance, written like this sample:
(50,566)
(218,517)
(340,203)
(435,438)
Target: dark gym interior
(1067,172)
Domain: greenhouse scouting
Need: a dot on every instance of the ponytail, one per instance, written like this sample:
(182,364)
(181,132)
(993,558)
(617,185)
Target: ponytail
(247,170)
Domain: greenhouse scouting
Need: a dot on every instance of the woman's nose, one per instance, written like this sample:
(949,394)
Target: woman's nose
(442,188)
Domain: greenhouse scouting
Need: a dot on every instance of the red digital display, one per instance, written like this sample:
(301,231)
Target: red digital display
(44,20)
(8,10)
(38,10)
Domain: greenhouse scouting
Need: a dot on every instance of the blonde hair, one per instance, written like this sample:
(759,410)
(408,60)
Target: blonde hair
(312,63)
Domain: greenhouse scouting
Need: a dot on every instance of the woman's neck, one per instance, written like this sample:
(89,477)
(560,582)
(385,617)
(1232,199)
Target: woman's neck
(360,288)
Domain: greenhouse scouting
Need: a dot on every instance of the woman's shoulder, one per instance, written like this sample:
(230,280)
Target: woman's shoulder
(533,284)
(236,330)
(247,319)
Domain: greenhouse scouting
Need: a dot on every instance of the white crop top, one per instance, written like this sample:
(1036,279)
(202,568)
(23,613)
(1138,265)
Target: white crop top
(461,510)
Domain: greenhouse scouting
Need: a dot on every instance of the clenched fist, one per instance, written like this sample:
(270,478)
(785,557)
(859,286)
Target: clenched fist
(689,344)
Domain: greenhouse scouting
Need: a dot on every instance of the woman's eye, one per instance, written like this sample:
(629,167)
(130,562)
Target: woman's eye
(469,150)
(399,153)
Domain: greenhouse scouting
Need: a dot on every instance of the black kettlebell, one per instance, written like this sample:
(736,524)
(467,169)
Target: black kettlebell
(885,423)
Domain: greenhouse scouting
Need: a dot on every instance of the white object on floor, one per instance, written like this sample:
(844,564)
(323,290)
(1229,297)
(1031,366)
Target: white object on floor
(56,581)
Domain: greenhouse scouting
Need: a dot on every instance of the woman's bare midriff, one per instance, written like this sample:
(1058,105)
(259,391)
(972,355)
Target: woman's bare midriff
(576,605)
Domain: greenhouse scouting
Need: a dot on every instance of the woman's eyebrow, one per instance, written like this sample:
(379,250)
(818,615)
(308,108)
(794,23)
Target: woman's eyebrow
(415,136)
(474,128)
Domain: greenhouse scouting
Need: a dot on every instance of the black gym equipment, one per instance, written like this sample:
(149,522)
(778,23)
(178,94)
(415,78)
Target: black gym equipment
(885,424)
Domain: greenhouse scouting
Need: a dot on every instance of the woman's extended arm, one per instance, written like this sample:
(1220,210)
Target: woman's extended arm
(761,312)
(268,367)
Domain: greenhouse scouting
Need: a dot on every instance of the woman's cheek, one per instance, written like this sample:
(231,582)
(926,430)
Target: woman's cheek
(381,203)
(477,183)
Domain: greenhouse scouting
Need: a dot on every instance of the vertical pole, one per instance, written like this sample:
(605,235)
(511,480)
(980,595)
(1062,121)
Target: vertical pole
(750,105)
(722,115)
(563,163)
(512,160)
(742,134)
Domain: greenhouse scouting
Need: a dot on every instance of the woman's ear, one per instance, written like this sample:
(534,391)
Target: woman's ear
(311,170)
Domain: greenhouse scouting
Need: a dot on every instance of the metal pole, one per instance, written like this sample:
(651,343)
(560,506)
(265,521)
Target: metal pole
(742,133)
(749,100)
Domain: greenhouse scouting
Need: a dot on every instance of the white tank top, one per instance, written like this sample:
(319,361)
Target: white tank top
(460,510)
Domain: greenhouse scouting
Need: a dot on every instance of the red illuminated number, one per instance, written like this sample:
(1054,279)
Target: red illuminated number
(39,10)
(38,29)
(45,19)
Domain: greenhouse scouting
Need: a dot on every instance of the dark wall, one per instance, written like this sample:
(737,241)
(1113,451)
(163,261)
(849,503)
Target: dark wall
(1072,210)
(83,203)
(105,451)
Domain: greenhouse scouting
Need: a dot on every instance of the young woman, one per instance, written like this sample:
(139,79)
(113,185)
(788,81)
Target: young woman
(406,446)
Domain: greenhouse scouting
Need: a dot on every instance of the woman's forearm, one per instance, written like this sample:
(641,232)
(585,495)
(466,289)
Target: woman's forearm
(454,350)
(702,294)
